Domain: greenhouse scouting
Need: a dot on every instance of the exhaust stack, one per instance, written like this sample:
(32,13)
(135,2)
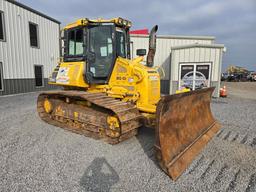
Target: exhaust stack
(152,46)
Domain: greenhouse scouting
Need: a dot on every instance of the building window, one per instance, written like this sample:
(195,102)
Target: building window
(33,32)
(1,77)
(2,27)
(39,77)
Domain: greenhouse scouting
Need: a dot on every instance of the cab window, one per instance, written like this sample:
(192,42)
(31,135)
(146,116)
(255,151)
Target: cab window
(75,42)
(120,43)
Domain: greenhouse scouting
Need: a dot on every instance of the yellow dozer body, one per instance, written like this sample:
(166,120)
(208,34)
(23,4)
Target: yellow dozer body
(109,96)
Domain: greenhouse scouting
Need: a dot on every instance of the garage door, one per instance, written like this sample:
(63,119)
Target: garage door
(194,75)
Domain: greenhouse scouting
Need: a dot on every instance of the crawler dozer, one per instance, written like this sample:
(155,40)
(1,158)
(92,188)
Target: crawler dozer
(107,95)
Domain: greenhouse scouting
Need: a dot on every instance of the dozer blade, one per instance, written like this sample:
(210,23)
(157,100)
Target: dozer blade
(185,124)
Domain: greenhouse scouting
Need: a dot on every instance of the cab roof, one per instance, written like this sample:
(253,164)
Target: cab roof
(85,21)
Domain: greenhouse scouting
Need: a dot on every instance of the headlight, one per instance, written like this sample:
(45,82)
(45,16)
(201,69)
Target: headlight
(125,22)
(129,24)
(120,21)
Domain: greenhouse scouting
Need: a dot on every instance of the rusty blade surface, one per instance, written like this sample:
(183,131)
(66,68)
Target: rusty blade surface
(184,126)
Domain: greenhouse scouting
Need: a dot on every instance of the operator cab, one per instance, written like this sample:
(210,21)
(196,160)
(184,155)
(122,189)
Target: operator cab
(98,43)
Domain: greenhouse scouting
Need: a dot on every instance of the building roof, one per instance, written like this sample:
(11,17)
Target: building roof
(198,45)
(140,32)
(177,37)
(33,10)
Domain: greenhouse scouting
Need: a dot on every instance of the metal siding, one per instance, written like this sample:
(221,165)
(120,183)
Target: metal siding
(186,55)
(165,86)
(175,65)
(182,54)
(175,85)
(17,56)
(219,76)
(216,92)
(14,86)
(163,48)
(201,54)
(213,59)
(217,61)
(191,55)
(197,50)
(195,55)
(207,54)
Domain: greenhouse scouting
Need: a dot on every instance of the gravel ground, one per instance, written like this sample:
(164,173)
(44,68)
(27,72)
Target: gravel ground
(36,156)
(246,90)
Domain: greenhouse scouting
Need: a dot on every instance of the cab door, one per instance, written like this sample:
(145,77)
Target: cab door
(100,54)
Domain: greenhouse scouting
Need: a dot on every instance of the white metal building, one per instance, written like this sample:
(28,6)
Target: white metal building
(193,61)
(29,48)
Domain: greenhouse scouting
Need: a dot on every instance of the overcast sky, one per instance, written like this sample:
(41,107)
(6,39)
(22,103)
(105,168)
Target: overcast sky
(232,22)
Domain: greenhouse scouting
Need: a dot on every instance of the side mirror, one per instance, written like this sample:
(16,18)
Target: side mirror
(141,52)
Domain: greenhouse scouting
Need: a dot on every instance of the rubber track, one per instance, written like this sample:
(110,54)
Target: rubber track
(129,117)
